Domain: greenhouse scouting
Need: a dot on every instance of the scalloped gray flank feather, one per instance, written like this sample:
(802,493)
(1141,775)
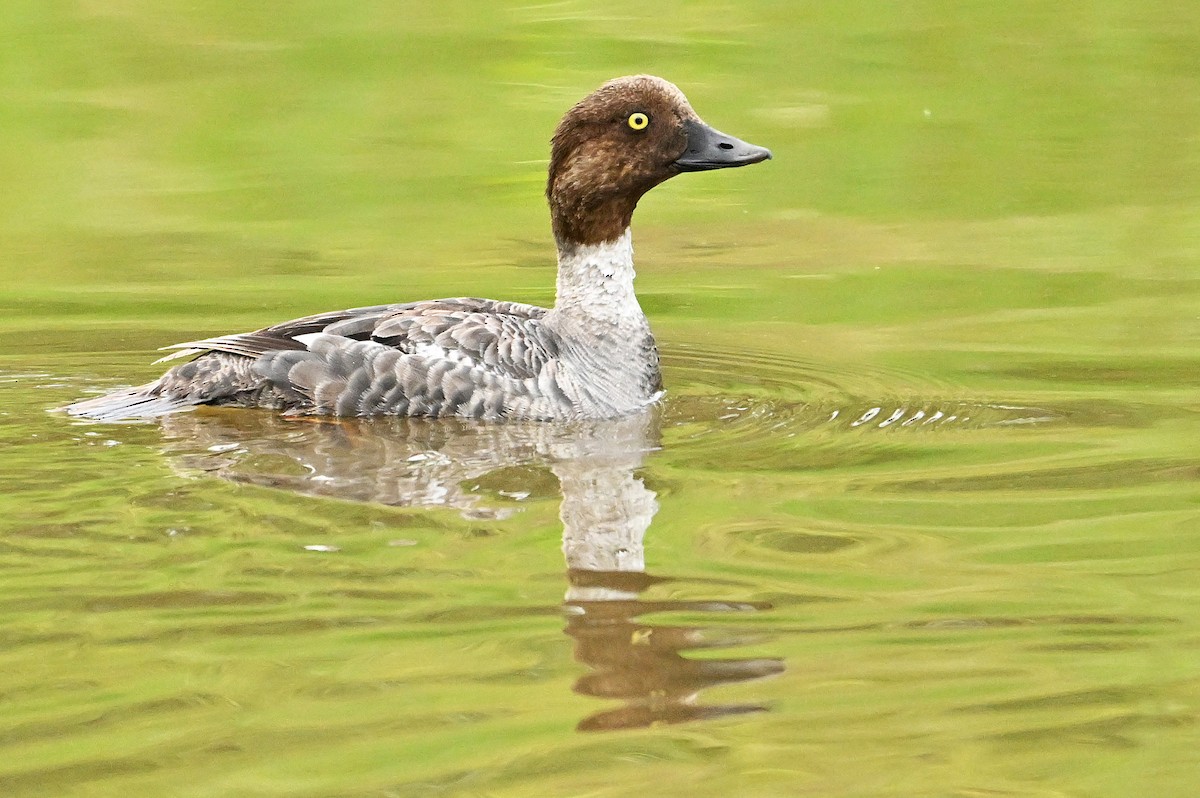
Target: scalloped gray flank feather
(591,356)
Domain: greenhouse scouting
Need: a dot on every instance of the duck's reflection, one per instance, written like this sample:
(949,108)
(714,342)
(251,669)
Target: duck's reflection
(606,509)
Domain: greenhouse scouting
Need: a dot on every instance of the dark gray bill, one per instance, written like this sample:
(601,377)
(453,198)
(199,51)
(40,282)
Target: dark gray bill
(712,149)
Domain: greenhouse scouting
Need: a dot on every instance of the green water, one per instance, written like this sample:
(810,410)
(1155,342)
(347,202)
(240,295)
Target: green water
(920,515)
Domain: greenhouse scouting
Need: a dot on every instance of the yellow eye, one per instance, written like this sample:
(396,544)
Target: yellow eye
(638,121)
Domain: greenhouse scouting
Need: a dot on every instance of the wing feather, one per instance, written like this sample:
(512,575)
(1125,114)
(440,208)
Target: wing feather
(397,324)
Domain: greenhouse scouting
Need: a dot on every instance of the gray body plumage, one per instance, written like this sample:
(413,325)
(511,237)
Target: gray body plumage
(467,357)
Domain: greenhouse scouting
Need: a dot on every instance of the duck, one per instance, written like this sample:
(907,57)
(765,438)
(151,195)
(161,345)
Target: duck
(591,356)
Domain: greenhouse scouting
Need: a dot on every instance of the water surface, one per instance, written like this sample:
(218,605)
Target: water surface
(919,515)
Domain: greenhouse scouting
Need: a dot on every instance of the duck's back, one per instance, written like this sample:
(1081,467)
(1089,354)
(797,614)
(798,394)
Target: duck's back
(477,358)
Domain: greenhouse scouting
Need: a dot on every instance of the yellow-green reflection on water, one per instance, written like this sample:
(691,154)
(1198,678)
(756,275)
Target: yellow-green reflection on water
(920,515)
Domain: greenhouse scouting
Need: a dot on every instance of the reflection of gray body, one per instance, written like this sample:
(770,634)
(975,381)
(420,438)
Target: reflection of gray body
(591,356)
(475,467)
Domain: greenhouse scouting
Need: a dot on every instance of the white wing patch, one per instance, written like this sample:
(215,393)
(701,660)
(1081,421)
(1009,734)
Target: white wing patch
(308,338)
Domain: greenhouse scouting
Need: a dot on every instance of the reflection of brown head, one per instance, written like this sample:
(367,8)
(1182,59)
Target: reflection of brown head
(642,664)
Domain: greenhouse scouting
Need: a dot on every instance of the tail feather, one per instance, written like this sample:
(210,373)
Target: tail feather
(142,402)
(217,378)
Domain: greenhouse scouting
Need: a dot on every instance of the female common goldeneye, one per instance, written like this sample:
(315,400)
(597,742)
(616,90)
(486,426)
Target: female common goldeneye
(591,356)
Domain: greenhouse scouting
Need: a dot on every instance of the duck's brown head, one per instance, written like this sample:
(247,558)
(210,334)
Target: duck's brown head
(621,141)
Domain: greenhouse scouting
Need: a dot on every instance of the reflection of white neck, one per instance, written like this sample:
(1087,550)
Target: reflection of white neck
(605,512)
(596,281)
